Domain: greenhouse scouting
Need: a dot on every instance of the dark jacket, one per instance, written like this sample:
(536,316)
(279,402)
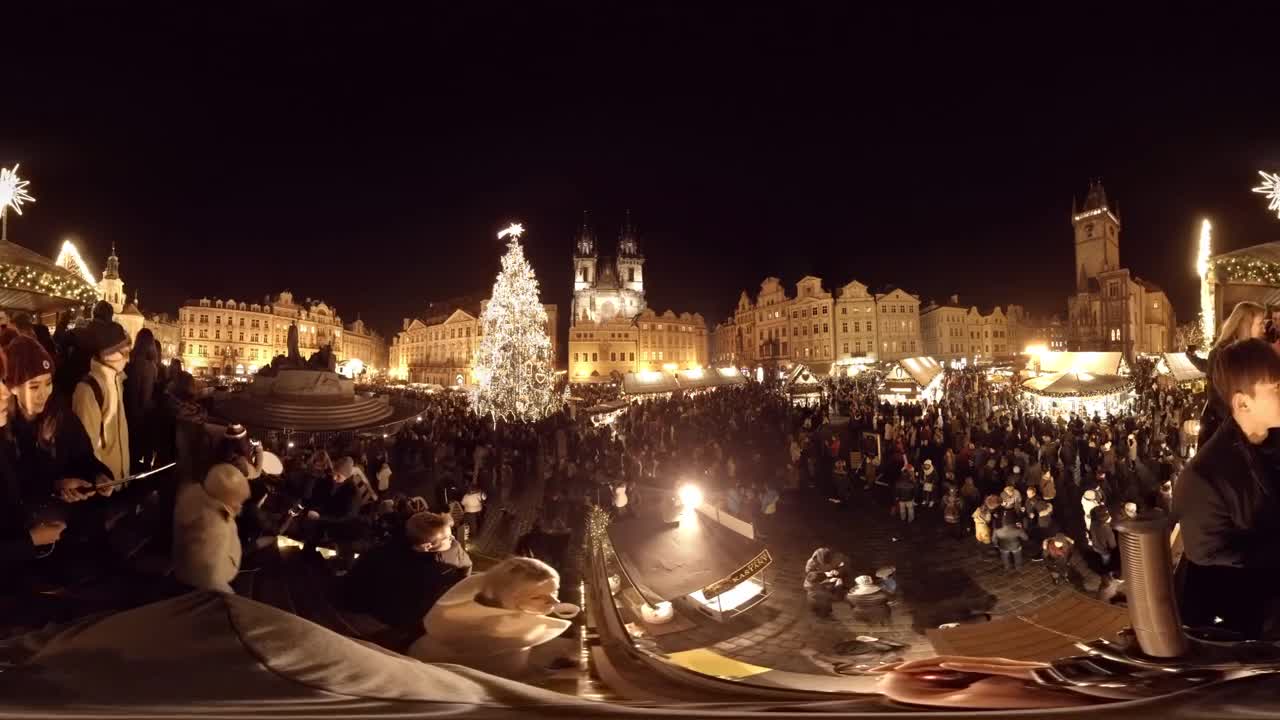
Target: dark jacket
(16,550)
(1227,501)
(1010,537)
(1215,410)
(42,465)
(397,584)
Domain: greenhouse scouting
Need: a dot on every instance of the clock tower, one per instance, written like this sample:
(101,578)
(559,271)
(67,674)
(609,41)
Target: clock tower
(1097,231)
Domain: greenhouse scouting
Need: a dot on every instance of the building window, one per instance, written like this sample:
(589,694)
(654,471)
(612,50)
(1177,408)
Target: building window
(844,311)
(815,328)
(594,358)
(824,309)
(844,328)
(633,357)
(824,328)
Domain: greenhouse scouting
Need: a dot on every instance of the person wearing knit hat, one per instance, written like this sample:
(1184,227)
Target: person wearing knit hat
(71,471)
(98,399)
(19,537)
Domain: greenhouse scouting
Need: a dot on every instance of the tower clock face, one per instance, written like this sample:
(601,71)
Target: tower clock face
(1088,230)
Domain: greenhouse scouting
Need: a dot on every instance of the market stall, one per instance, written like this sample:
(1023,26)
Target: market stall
(1085,394)
(804,384)
(1176,369)
(912,380)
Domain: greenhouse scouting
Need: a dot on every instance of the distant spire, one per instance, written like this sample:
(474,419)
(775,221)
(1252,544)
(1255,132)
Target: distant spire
(629,238)
(585,242)
(113,265)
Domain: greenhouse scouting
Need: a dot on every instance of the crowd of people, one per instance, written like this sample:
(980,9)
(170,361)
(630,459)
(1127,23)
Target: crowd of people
(90,409)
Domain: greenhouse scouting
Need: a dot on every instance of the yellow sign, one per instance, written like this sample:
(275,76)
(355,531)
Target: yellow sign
(720,587)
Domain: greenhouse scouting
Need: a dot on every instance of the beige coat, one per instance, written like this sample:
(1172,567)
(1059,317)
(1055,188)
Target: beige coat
(106,426)
(206,546)
(461,630)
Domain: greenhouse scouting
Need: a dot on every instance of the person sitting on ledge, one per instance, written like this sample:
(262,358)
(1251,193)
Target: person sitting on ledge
(493,620)
(400,581)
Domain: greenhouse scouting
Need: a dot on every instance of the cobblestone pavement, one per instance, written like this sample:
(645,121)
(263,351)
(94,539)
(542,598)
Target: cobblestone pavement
(943,575)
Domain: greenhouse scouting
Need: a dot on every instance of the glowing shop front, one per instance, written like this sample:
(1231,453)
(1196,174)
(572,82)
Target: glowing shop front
(1085,394)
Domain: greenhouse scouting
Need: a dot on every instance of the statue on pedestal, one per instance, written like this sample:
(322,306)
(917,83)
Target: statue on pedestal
(294,358)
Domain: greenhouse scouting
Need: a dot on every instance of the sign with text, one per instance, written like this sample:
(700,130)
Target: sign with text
(720,587)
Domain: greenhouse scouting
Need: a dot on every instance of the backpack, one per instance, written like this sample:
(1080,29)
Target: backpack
(100,396)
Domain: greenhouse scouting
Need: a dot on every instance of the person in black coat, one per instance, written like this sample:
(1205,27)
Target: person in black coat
(21,534)
(141,392)
(1227,499)
(400,581)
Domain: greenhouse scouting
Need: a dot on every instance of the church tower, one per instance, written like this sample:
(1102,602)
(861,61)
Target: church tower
(1097,231)
(585,257)
(111,287)
(630,260)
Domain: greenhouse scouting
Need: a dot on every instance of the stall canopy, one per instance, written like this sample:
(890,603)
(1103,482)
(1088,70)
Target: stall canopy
(921,369)
(1076,384)
(1180,368)
(666,562)
(1093,363)
(651,382)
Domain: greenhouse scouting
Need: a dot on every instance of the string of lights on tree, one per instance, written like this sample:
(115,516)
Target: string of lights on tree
(514,370)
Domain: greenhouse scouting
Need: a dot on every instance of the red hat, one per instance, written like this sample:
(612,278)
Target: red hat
(26,360)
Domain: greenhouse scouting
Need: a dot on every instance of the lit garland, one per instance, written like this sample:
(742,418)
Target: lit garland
(1207,320)
(65,286)
(1247,269)
(513,363)
(597,526)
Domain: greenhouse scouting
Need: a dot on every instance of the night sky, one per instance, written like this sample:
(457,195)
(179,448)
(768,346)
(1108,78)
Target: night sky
(368,157)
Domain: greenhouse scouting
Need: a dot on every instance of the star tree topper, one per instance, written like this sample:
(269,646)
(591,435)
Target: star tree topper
(1271,188)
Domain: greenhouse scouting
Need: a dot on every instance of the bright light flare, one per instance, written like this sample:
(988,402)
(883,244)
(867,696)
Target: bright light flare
(69,257)
(13,191)
(1271,188)
(690,495)
(514,230)
(1207,320)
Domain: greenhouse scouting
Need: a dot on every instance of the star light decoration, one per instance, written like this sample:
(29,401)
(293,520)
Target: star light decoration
(13,193)
(1271,188)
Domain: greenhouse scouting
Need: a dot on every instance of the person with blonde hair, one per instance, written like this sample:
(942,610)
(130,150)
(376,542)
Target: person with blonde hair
(1247,320)
(493,620)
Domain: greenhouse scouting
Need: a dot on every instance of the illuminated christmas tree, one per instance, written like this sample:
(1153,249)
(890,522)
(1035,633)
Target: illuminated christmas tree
(513,363)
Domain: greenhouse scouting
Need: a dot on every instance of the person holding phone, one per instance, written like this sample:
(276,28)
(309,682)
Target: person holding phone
(21,536)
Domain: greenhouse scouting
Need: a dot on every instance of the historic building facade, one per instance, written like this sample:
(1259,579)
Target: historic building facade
(612,330)
(897,324)
(1112,309)
(439,346)
(236,338)
(363,343)
(952,331)
(816,326)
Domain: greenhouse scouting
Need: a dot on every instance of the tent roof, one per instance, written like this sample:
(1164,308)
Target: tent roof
(921,369)
(644,383)
(1075,384)
(1094,363)
(655,382)
(1181,368)
(32,282)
